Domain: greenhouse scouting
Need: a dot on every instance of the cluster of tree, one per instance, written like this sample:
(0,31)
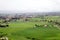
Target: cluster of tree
(3,36)
(54,22)
(36,25)
(4,24)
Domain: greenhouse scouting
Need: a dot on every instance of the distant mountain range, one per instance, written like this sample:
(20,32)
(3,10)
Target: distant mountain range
(32,13)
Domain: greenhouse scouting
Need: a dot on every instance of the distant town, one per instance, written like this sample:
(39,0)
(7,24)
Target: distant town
(28,15)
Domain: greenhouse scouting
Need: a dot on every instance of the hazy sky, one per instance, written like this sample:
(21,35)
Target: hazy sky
(30,5)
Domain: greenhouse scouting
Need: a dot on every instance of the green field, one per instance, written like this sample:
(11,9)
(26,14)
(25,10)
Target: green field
(26,31)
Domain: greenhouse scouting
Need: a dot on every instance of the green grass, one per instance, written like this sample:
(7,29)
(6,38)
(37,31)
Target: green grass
(40,33)
(20,30)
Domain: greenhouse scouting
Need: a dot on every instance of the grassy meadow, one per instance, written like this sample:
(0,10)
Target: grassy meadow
(25,30)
